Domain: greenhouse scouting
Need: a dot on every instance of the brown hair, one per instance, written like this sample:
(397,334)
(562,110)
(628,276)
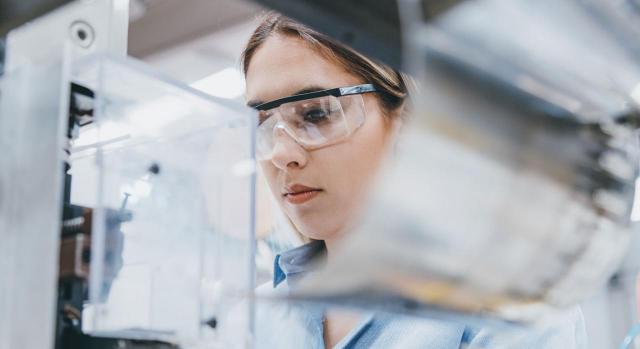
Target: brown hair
(389,81)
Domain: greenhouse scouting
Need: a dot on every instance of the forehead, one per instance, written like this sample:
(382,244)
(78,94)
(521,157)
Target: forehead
(283,65)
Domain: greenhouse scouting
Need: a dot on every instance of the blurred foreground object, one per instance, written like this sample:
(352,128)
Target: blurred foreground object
(511,192)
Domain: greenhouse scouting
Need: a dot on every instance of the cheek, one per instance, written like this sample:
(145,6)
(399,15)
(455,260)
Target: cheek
(370,143)
(354,164)
(270,173)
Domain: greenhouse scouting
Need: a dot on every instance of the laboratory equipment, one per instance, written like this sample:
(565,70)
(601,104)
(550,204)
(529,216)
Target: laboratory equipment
(145,184)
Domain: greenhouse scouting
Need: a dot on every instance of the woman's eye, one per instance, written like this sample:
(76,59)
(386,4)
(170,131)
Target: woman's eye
(316,115)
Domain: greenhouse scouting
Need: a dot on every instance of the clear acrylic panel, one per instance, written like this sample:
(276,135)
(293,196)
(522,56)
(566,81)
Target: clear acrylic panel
(170,173)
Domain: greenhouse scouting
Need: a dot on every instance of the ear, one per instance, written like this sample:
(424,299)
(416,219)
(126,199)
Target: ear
(396,125)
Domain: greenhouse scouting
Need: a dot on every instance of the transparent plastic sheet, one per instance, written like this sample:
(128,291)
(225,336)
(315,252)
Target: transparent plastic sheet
(508,197)
(170,173)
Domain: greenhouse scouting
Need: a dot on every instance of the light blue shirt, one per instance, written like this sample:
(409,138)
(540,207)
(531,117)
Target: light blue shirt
(280,325)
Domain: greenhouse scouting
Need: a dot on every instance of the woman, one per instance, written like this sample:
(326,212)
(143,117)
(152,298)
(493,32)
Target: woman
(328,115)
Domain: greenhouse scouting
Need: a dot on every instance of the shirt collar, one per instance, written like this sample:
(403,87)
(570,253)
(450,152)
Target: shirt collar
(296,262)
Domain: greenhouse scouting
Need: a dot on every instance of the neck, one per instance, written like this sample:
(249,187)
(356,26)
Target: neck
(331,245)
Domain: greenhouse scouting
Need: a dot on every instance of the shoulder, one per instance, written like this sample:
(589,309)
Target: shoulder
(565,330)
(401,331)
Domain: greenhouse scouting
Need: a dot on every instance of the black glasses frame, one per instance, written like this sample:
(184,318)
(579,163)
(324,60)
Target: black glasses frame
(336,92)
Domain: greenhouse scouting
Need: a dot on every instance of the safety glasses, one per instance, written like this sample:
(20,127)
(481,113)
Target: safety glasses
(313,120)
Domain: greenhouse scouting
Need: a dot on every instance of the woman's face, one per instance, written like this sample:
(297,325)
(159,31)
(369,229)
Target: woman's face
(338,174)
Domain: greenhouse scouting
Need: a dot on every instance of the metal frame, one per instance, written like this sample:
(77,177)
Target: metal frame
(336,92)
(34,103)
(85,26)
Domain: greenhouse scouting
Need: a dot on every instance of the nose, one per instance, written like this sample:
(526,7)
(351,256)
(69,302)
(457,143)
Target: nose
(287,153)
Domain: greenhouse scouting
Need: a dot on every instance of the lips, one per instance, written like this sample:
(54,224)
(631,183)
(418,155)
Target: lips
(299,194)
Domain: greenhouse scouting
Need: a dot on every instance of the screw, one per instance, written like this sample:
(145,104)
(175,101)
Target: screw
(154,168)
(82,34)
(213,322)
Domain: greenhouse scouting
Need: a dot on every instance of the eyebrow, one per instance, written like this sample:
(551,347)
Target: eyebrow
(308,89)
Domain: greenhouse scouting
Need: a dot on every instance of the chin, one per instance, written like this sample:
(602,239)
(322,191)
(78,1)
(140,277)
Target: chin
(318,229)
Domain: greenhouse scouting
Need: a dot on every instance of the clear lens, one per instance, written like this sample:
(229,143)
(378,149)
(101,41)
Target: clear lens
(315,121)
(264,136)
(312,123)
